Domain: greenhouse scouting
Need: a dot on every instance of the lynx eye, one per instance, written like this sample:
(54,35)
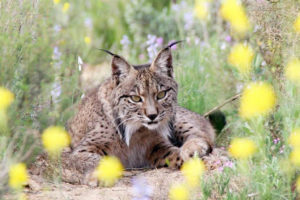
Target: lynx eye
(161,95)
(136,98)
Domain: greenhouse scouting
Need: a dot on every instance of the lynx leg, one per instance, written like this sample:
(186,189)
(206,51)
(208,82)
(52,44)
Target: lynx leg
(165,155)
(194,133)
(85,158)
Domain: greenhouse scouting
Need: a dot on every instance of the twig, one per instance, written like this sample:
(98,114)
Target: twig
(223,104)
(253,194)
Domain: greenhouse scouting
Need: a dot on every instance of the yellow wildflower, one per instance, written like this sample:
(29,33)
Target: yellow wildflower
(234,13)
(295,156)
(66,7)
(294,139)
(298,184)
(297,24)
(201,9)
(56,1)
(242,148)
(87,40)
(241,57)
(55,139)
(18,176)
(193,170)
(109,170)
(292,70)
(178,192)
(6,98)
(258,98)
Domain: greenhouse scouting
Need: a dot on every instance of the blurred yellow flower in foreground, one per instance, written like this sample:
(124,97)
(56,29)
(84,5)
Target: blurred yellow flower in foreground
(298,184)
(297,24)
(234,13)
(193,170)
(201,9)
(66,7)
(295,156)
(6,98)
(55,139)
(258,98)
(178,192)
(242,148)
(294,139)
(109,170)
(18,176)
(56,1)
(87,40)
(292,70)
(241,57)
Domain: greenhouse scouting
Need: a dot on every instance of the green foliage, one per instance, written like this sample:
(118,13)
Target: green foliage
(39,46)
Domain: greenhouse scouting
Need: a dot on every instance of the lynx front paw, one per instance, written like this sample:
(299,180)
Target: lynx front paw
(171,159)
(90,179)
(192,146)
(174,161)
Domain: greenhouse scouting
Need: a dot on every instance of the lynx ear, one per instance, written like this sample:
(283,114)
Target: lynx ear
(162,64)
(120,69)
(119,66)
(163,61)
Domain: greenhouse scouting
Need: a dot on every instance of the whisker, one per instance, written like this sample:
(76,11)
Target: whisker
(122,122)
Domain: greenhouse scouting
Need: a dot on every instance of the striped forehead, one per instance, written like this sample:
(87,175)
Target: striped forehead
(146,82)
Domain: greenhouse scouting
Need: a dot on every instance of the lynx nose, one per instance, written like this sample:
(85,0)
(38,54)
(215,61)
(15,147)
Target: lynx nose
(152,116)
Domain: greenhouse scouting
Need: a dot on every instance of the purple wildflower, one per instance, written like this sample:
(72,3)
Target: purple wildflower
(57,28)
(141,56)
(229,164)
(56,91)
(125,42)
(152,46)
(56,57)
(88,22)
(220,169)
(140,189)
(228,38)
(56,53)
(159,41)
(188,20)
(276,140)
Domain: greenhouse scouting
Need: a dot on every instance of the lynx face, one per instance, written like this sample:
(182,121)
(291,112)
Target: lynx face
(144,96)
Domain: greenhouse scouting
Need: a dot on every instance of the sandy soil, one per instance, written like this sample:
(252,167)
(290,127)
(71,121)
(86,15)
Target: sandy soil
(159,180)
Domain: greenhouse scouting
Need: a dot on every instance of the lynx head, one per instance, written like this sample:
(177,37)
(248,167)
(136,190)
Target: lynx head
(144,95)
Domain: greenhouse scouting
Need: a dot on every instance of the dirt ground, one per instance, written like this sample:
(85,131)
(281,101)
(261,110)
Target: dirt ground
(159,180)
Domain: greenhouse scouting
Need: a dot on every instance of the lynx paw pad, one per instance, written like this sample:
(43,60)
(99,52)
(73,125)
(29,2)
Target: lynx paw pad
(175,161)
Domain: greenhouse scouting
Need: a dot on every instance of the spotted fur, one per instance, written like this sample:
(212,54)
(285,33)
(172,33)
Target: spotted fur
(152,132)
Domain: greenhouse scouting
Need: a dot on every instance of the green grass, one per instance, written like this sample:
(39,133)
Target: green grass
(29,34)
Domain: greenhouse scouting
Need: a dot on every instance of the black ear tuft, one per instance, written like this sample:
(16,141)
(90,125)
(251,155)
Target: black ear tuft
(119,66)
(108,52)
(174,43)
